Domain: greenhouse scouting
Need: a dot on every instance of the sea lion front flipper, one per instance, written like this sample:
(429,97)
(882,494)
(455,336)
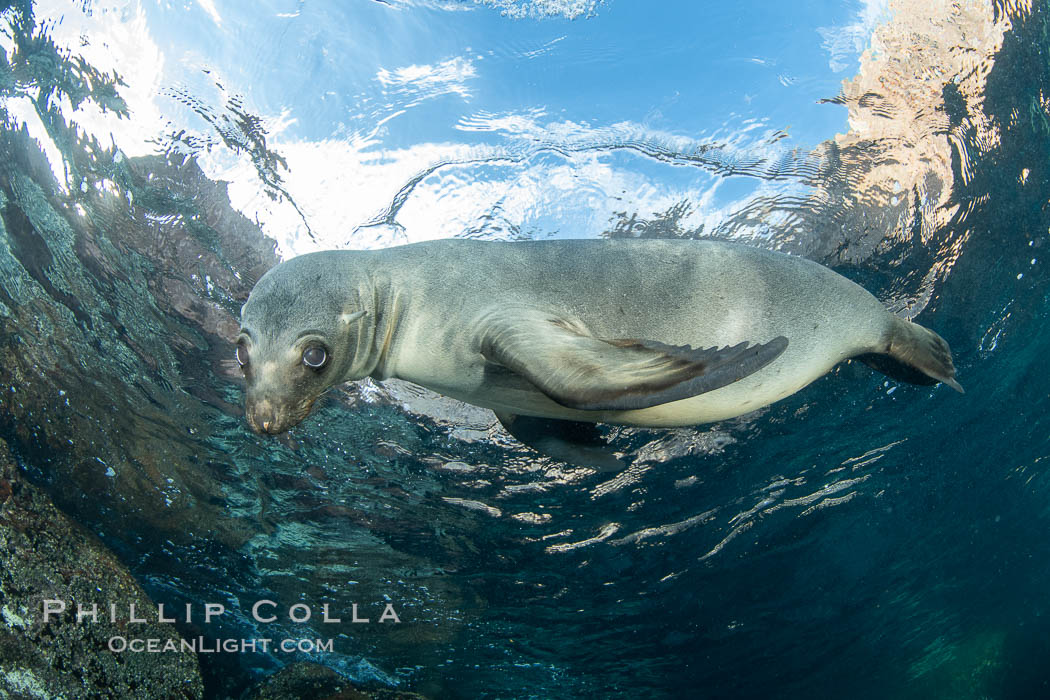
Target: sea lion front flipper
(569,441)
(577,370)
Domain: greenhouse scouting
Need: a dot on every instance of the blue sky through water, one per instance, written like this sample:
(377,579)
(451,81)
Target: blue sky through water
(362,96)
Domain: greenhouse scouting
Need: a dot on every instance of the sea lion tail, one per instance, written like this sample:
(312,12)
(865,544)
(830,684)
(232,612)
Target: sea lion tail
(913,354)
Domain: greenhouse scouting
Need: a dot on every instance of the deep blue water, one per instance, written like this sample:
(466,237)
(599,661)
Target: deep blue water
(858,539)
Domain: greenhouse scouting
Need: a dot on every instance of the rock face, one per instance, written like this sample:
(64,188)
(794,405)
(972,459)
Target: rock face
(45,555)
(306,681)
(889,191)
(917,103)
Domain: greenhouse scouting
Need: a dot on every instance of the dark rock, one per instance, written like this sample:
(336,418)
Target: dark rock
(46,556)
(307,681)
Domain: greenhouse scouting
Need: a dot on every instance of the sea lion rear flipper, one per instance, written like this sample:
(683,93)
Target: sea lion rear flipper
(570,441)
(577,370)
(915,355)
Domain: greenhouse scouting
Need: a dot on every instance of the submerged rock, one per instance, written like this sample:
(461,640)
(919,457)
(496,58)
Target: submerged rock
(307,681)
(46,556)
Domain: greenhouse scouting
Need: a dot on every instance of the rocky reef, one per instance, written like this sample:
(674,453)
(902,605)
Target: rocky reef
(45,556)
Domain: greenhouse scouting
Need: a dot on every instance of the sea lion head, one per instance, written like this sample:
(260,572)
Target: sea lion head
(303,330)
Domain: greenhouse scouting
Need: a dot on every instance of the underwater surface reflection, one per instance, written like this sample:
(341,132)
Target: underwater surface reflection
(859,538)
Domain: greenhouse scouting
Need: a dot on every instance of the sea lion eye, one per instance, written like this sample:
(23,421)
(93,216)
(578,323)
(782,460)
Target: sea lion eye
(242,355)
(314,357)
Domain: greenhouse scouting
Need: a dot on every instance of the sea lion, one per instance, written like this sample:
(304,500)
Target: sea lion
(556,335)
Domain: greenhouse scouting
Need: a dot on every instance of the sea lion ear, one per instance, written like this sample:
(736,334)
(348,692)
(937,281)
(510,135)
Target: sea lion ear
(350,318)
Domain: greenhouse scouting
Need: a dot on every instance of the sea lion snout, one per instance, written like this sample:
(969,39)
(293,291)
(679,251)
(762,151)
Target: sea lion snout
(268,417)
(281,386)
(263,417)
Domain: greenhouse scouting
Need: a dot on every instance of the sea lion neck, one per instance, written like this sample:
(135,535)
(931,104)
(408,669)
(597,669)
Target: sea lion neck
(381,296)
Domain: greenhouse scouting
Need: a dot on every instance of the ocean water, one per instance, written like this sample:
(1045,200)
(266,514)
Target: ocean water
(861,538)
